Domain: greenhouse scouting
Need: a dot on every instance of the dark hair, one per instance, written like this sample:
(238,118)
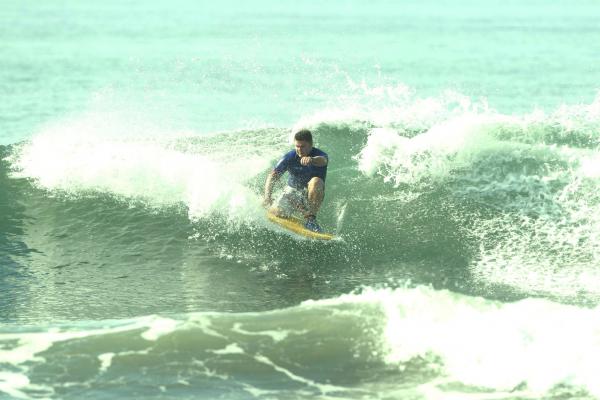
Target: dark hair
(303,135)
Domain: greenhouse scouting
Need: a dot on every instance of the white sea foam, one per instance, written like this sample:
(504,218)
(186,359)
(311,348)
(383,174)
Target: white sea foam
(105,360)
(232,348)
(539,170)
(532,344)
(550,240)
(23,348)
(11,383)
(392,106)
(18,348)
(322,387)
(434,154)
(159,327)
(276,335)
(95,154)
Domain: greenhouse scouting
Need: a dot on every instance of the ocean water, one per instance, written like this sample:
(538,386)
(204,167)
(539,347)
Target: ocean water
(136,261)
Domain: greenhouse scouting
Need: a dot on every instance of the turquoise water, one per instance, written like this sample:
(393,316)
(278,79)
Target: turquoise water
(135,257)
(211,67)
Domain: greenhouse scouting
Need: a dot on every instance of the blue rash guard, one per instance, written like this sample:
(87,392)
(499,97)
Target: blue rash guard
(299,174)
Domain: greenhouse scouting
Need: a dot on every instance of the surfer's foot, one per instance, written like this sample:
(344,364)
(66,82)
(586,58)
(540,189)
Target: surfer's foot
(311,224)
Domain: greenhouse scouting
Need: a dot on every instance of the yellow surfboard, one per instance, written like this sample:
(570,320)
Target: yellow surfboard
(296,225)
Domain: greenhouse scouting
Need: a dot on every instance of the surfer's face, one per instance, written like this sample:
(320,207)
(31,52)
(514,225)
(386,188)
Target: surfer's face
(303,148)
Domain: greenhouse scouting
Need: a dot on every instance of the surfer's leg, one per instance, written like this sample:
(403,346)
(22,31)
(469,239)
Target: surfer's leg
(285,205)
(316,193)
(298,201)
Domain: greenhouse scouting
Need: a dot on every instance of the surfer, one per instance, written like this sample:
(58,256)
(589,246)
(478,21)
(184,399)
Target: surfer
(307,167)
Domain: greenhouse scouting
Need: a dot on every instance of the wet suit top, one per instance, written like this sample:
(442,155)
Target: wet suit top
(300,174)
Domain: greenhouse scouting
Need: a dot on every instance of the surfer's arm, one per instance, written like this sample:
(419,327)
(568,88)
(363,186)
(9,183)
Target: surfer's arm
(318,161)
(271,179)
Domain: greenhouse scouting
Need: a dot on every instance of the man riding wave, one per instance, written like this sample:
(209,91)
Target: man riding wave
(307,167)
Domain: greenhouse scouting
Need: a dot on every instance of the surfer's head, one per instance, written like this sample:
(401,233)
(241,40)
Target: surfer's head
(303,142)
(303,135)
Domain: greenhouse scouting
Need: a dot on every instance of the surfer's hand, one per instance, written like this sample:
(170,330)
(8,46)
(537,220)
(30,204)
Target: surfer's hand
(306,161)
(267,202)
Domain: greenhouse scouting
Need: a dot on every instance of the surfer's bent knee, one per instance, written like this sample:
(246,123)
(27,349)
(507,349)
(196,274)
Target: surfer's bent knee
(316,183)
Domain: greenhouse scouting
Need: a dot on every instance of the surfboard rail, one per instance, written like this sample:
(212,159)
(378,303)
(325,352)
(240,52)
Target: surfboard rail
(296,225)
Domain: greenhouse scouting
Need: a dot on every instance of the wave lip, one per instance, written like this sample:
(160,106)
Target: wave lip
(524,189)
(161,172)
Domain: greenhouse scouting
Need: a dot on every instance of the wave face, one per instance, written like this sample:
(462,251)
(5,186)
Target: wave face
(402,343)
(436,203)
(507,202)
